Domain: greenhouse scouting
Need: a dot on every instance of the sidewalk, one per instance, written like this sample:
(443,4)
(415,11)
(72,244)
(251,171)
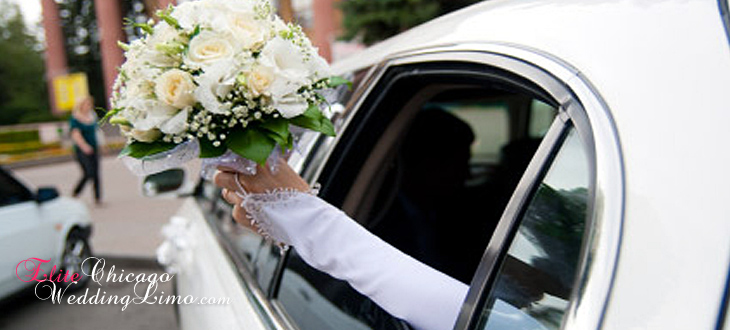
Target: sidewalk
(127,224)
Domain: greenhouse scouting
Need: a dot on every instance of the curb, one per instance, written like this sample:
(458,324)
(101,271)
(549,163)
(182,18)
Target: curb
(54,160)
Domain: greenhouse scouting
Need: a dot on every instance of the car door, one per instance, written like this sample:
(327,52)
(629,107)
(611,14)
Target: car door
(519,114)
(21,235)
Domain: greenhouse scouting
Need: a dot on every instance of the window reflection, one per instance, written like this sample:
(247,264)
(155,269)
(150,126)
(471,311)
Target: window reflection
(533,286)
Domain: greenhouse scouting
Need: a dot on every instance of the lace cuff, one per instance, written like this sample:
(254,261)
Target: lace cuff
(330,241)
(257,204)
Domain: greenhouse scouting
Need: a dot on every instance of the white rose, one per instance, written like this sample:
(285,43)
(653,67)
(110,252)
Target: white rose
(319,67)
(290,72)
(176,124)
(290,105)
(287,58)
(175,87)
(163,32)
(187,14)
(215,84)
(146,114)
(248,31)
(209,47)
(259,79)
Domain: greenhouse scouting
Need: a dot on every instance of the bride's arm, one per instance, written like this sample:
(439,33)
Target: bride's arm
(330,241)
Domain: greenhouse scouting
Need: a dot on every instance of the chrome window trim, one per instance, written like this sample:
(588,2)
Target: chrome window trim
(570,88)
(725,17)
(324,152)
(499,243)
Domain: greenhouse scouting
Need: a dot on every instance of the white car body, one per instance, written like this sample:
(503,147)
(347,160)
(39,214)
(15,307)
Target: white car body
(32,229)
(654,78)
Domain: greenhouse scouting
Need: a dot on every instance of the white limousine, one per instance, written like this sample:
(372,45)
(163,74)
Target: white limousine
(577,173)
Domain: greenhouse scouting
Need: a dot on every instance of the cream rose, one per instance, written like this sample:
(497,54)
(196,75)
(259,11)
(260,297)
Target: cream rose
(140,135)
(175,87)
(208,47)
(259,80)
(248,31)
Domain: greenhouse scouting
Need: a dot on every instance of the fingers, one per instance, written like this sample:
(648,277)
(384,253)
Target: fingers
(231,197)
(264,180)
(239,213)
(227,180)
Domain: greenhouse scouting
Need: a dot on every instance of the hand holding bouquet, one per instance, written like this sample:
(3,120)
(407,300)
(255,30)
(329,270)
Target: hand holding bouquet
(222,76)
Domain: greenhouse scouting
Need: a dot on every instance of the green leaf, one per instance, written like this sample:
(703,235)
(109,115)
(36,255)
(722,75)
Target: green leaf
(148,29)
(120,121)
(314,119)
(166,15)
(336,81)
(143,149)
(208,150)
(123,46)
(196,32)
(109,114)
(251,143)
(278,130)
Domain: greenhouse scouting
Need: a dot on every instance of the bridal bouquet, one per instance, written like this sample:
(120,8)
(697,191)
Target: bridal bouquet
(218,78)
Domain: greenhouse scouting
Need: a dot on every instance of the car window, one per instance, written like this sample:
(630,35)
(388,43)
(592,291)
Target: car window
(11,191)
(541,116)
(454,133)
(490,124)
(533,286)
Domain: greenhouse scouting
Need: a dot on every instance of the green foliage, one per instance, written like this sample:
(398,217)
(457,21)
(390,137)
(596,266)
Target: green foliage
(314,119)
(142,149)
(278,130)
(208,150)
(373,20)
(337,81)
(20,136)
(23,93)
(252,144)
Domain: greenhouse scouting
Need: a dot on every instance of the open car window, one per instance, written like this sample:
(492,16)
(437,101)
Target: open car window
(465,135)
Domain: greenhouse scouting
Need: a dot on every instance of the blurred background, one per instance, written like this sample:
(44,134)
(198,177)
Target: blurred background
(56,53)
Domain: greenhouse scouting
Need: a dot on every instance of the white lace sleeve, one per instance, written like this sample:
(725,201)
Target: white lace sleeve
(330,241)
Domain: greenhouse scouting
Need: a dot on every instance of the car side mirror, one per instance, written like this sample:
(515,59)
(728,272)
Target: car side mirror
(46,194)
(162,183)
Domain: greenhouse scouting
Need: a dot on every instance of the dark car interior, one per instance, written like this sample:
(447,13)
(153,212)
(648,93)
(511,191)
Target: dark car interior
(440,173)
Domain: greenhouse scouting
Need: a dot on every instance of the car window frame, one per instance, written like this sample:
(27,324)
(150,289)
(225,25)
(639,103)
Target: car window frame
(579,99)
(520,202)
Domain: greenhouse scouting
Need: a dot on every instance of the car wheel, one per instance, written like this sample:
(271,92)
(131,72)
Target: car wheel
(76,251)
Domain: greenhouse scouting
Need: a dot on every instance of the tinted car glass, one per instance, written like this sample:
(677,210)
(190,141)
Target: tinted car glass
(11,191)
(481,151)
(534,283)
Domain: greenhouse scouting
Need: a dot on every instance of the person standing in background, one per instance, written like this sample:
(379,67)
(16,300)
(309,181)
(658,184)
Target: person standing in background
(83,133)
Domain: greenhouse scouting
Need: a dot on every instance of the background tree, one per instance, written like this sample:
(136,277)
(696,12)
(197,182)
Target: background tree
(78,20)
(370,21)
(23,96)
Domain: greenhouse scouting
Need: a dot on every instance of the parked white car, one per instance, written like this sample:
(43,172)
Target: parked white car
(39,224)
(594,195)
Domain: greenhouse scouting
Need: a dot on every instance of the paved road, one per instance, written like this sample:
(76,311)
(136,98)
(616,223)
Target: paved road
(127,224)
(26,312)
(126,228)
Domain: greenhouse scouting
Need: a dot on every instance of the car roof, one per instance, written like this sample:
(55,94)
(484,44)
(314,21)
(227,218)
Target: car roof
(662,69)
